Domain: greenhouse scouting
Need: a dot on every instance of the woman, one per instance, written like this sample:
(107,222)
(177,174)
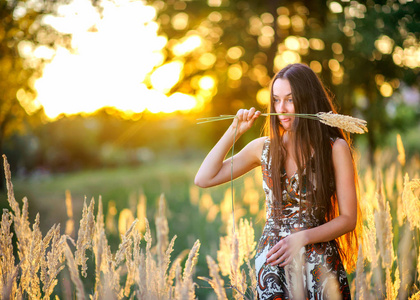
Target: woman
(310,183)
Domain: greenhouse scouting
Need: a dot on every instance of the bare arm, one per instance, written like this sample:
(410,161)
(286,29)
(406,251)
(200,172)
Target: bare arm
(215,170)
(282,253)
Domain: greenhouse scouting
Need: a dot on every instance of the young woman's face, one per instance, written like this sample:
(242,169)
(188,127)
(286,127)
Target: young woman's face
(283,102)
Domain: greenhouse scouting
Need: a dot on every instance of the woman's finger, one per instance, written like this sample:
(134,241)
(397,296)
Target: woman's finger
(240,114)
(286,262)
(279,260)
(251,113)
(275,248)
(283,263)
(247,113)
(276,255)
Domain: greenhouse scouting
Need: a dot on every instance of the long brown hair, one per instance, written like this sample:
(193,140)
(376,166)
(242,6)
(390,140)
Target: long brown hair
(313,152)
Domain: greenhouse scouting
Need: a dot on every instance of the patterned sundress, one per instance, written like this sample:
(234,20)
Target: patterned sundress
(317,271)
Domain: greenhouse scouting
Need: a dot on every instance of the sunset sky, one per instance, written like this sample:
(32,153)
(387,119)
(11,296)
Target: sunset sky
(111,58)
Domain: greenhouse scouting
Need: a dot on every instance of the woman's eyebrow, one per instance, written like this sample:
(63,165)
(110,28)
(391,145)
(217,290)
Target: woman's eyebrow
(284,95)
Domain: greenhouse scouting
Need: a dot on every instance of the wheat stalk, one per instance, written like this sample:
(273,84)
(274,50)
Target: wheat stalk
(74,273)
(216,282)
(411,203)
(85,235)
(347,123)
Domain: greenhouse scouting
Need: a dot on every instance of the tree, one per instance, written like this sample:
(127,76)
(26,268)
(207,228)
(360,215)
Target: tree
(239,47)
(357,47)
(23,32)
(378,41)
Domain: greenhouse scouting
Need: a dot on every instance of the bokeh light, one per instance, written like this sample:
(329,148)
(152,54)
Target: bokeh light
(187,45)
(336,7)
(384,44)
(292,43)
(386,89)
(316,44)
(263,96)
(235,72)
(207,83)
(235,53)
(180,21)
(315,66)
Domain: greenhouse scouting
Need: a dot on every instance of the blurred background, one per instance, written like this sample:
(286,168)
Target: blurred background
(102,97)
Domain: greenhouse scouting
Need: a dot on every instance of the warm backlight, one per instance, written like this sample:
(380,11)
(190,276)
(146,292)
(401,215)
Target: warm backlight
(113,57)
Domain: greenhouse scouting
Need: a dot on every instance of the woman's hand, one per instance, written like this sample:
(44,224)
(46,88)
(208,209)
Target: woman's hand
(286,249)
(245,119)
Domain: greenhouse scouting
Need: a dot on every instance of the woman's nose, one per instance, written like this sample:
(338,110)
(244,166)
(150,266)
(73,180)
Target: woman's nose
(281,106)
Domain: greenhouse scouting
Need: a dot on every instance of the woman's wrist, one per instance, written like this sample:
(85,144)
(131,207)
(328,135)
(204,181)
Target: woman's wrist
(234,131)
(304,237)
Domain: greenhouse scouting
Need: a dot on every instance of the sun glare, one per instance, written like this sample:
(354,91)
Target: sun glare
(166,76)
(112,57)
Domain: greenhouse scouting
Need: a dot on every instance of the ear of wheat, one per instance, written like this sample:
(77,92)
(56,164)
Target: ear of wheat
(347,123)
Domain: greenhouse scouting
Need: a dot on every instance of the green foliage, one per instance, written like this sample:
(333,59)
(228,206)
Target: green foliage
(22,31)
(359,50)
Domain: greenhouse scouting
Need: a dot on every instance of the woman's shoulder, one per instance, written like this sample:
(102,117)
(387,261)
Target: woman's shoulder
(340,148)
(259,143)
(257,146)
(339,142)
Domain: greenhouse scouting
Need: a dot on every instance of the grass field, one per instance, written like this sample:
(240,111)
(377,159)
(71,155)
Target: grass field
(46,193)
(390,252)
(188,218)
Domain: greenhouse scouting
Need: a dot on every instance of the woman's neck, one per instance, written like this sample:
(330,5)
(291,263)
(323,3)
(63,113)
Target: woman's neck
(289,141)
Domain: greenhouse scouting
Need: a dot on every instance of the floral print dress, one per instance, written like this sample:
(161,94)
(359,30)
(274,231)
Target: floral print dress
(317,271)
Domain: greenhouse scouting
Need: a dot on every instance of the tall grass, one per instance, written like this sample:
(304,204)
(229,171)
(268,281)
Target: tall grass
(131,272)
(142,267)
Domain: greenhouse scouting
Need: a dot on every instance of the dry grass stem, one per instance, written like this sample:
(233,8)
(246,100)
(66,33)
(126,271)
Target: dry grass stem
(410,202)
(174,266)
(146,271)
(383,221)
(74,273)
(186,290)
(216,282)
(8,270)
(54,262)
(125,245)
(347,123)
(360,281)
(162,232)
(392,286)
(10,289)
(416,296)
(85,235)
(10,192)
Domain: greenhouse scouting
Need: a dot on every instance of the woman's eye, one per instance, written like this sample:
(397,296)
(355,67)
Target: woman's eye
(290,100)
(276,100)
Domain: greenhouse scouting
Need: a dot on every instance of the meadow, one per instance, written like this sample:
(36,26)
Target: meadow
(91,238)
